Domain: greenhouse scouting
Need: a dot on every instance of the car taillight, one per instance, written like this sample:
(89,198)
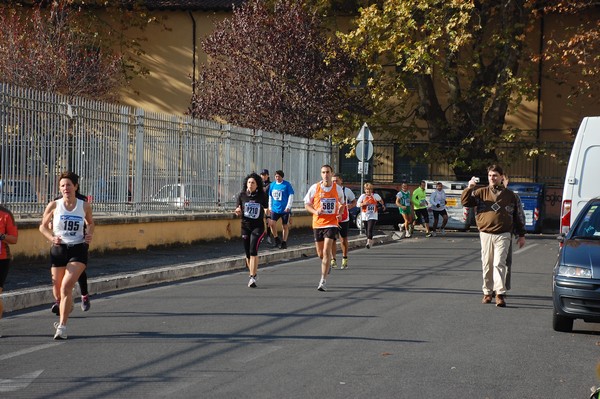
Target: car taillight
(565,217)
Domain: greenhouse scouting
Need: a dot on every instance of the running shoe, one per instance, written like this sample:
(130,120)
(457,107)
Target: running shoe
(322,286)
(344,263)
(277,242)
(283,245)
(55,308)
(252,282)
(85,303)
(428,235)
(368,246)
(443,232)
(61,331)
(333,263)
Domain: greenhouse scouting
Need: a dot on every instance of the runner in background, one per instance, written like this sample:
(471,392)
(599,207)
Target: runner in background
(437,199)
(349,201)
(404,203)
(266,183)
(368,203)
(281,199)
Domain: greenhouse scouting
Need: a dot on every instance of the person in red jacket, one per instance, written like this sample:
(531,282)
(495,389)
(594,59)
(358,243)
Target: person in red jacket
(8,235)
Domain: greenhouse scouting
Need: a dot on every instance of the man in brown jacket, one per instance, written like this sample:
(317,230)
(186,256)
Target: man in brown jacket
(497,216)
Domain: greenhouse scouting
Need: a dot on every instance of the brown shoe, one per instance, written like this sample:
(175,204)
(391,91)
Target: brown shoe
(500,302)
(486,299)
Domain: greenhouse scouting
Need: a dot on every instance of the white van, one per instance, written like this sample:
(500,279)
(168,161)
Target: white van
(581,181)
(459,217)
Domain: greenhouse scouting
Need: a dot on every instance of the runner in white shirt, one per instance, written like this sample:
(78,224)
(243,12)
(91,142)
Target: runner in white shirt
(437,199)
(349,199)
(70,241)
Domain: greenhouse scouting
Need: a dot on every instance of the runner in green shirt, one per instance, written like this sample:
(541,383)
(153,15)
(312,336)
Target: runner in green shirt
(403,200)
(419,201)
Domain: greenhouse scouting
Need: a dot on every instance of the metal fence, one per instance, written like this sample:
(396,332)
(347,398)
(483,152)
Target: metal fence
(389,165)
(136,162)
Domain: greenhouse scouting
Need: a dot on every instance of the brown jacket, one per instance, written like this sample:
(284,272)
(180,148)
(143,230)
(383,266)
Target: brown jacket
(496,209)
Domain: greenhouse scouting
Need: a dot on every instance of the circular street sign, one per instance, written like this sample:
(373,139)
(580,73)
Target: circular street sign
(359,150)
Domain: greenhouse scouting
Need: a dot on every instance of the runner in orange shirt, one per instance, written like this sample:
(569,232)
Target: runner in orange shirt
(323,200)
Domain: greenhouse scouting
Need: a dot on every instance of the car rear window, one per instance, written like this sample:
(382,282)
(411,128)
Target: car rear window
(589,223)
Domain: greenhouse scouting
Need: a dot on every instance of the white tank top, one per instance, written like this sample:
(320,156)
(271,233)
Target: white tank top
(69,225)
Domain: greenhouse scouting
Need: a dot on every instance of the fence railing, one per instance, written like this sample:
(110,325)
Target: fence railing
(135,162)
(389,165)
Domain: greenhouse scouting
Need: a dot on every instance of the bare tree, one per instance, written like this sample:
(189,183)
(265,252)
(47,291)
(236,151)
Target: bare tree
(274,69)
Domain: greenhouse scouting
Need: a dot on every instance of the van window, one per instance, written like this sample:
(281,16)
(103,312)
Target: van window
(589,176)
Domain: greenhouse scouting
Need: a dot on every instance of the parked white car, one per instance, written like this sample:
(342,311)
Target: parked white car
(182,195)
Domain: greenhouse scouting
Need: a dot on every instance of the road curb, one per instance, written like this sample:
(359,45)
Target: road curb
(37,296)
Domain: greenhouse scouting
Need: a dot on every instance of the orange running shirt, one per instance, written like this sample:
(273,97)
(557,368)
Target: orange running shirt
(328,203)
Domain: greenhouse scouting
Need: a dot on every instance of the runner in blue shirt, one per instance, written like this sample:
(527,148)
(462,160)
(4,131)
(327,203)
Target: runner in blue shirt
(281,198)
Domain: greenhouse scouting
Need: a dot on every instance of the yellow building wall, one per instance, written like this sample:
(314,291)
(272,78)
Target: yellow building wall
(170,59)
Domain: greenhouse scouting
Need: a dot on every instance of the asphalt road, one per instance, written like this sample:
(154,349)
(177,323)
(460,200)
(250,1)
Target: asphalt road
(404,321)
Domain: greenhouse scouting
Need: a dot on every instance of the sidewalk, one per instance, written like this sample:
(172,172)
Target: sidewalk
(29,284)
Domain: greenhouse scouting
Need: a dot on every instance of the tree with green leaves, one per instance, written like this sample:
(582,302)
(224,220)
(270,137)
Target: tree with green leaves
(273,67)
(448,72)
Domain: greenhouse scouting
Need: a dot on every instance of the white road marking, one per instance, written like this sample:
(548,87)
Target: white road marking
(260,352)
(28,350)
(525,248)
(20,382)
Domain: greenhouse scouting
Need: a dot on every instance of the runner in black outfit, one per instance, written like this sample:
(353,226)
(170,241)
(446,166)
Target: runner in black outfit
(266,182)
(251,205)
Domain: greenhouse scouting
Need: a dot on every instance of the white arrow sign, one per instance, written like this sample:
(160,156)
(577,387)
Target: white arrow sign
(364,133)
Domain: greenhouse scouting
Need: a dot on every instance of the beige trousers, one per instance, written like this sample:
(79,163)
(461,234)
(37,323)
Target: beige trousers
(494,249)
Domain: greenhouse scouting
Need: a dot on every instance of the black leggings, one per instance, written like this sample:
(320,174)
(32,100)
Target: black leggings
(4,267)
(252,239)
(83,286)
(370,227)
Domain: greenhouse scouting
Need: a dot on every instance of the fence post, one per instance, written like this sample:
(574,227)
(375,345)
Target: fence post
(138,160)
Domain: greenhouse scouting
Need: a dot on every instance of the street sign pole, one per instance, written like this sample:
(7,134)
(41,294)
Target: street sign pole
(364,151)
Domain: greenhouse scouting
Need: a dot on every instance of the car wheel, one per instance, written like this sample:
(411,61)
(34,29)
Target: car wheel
(358,222)
(562,323)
